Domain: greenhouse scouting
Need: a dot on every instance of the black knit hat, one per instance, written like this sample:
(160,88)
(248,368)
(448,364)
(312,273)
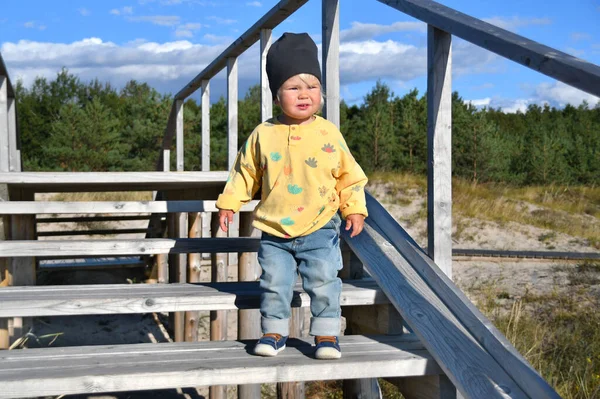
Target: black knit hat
(290,55)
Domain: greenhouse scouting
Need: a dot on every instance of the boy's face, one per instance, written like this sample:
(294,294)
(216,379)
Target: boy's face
(299,99)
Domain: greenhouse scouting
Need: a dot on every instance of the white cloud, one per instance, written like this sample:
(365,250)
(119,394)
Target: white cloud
(561,94)
(516,22)
(85,12)
(187,30)
(574,52)
(362,31)
(556,94)
(578,36)
(162,20)
(222,21)
(254,4)
(34,25)
(122,11)
(482,102)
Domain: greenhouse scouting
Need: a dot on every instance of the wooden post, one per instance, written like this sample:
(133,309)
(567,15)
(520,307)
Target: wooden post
(218,318)
(205,125)
(193,276)
(293,389)
(248,320)
(21,271)
(13,137)
(179,133)
(4,220)
(177,228)
(232,111)
(331,60)
(266,98)
(366,388)
(439,146)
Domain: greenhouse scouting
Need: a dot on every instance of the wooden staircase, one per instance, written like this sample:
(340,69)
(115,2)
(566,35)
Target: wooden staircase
(406,320)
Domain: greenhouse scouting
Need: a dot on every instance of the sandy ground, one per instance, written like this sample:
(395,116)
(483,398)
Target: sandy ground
(513,277)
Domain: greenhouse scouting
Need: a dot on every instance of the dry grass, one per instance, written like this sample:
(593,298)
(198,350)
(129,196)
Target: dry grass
(557,332)
(574,211)
(103,196)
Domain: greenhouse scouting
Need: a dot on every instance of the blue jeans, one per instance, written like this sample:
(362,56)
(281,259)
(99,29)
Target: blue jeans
(318,259)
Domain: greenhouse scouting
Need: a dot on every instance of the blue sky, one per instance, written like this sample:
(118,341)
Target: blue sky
(168,42)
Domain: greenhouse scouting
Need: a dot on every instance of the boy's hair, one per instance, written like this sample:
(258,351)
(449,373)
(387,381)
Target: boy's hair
(305,77)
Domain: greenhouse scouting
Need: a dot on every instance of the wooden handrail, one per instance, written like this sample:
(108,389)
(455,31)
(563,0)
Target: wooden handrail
(547,60)
(4,72)
(270,20)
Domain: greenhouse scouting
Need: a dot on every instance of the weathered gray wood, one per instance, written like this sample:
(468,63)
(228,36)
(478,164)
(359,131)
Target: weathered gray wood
(162,267)
(63,233)
(205,125)
(111,207)
(547,60)
(439,148)
(331,60)
(270,20)
(78,219)
(179,135)
(266,98)
(248,319)
(101,181)
(232,111)
(4,137)
(4,72)
(364,388)
(54,371)
(141,298)
(90,263)
(126,247)
(166,160)
(472,370)
(14,149)
(480,327)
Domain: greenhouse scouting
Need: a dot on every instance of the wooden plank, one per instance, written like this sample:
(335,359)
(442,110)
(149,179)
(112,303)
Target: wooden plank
(4,72)
(472,370)
(4,137)
(479,326)
(125,247)
(55,371)
(270,20)
(179,135)
(91,232)
(331,60)
(439,148)
(266,98)
(14,146)
(90,263)
(205,125)
(80,219)
(547,60)
(141,298)
(113,181)
(232,111)
(110,207)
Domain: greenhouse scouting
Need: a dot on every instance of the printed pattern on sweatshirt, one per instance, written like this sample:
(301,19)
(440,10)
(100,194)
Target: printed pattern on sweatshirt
(305,174)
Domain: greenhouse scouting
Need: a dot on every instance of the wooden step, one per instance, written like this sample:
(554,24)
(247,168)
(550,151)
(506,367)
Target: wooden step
(130,247)
(87,369)
(90,263)
(112,181)
(110,207)
(142,298)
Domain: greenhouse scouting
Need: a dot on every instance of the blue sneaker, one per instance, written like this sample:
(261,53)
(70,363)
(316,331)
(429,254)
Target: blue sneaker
(328,347)
(270,345)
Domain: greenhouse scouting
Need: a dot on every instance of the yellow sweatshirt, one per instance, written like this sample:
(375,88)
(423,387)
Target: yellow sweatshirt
(306,173)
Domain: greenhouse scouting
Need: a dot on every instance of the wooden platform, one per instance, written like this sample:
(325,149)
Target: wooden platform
(87,369)
(111,181)
(142,298)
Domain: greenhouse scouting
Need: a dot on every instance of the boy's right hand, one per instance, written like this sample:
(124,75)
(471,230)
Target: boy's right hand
(225,218)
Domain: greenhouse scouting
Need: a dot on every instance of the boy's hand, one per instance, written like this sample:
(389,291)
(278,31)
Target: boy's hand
(356,222)
(225,218)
